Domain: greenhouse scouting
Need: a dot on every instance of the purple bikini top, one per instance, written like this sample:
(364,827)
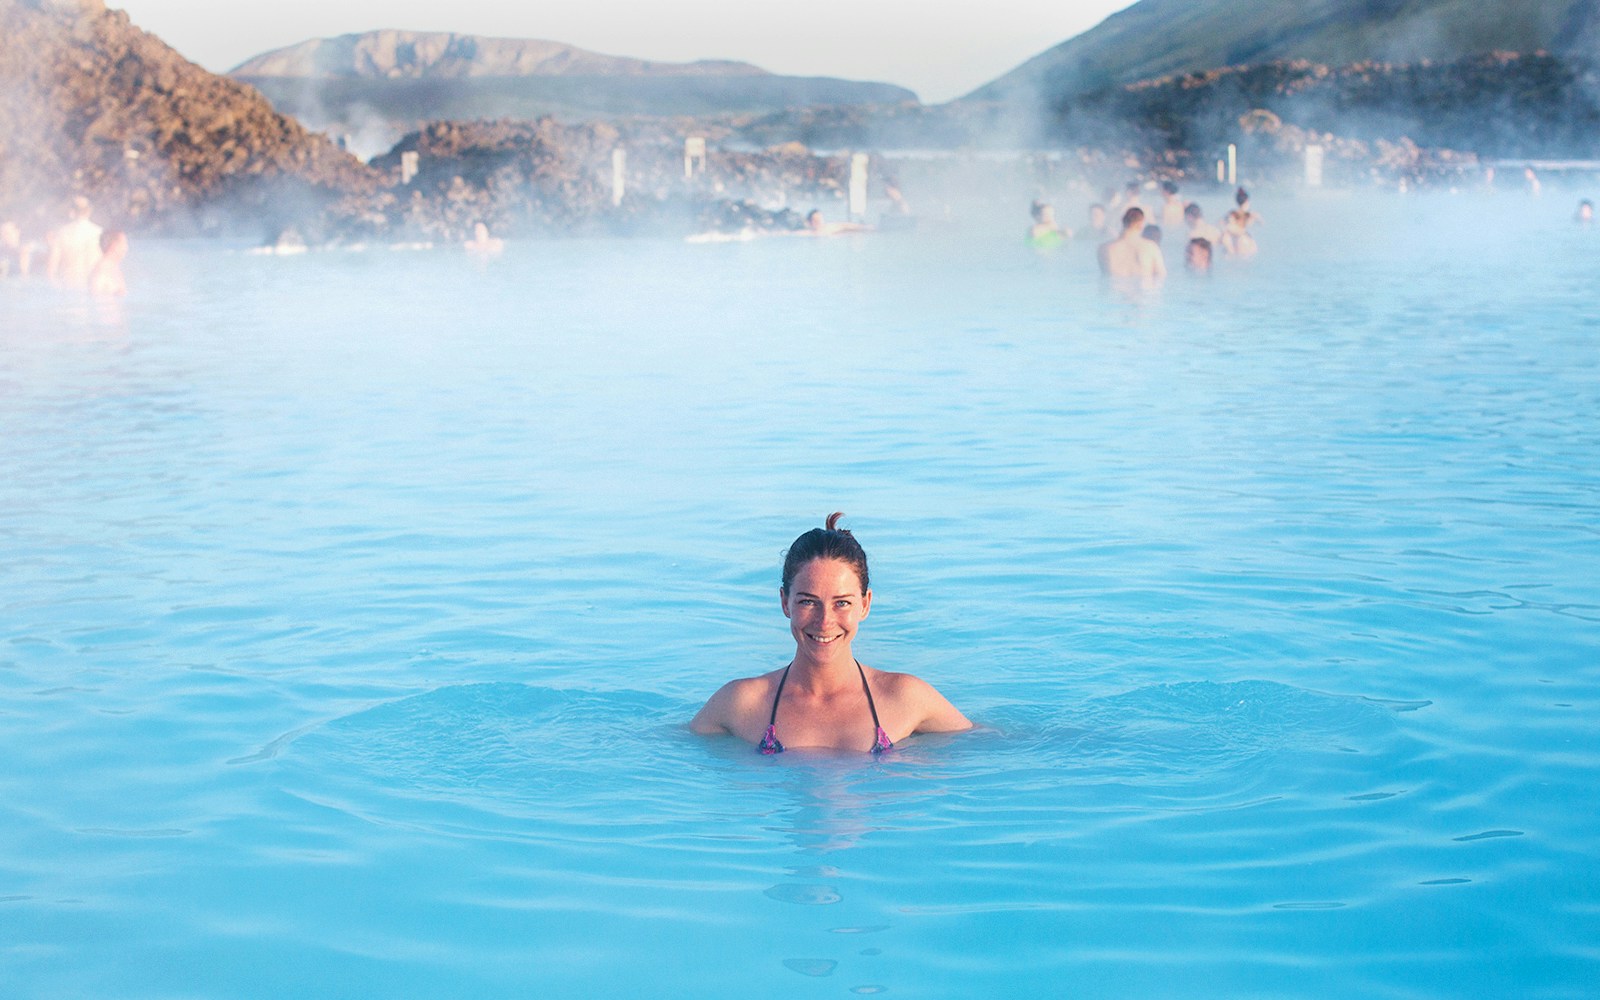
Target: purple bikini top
(770,743)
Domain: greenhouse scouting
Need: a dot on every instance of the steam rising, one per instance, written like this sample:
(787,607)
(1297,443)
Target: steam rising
(160,145)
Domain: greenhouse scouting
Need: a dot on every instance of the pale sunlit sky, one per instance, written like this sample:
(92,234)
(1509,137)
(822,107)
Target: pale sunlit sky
(939,49)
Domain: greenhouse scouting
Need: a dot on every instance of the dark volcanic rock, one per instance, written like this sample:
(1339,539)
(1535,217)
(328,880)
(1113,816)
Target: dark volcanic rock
(1375,120)
(91,105)
(1500,104)
(543,177)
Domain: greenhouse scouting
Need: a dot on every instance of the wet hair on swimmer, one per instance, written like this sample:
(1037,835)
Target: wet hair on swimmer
(831,542)
(1241,196)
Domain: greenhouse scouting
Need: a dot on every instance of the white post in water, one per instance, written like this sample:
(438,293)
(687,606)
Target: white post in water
(1233,164)
(619,175)
(858,186)
(1314,166)
(694,154)
(1222,171)
(408,166)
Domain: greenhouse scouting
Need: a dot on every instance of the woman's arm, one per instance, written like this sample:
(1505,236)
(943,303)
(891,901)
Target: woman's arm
(732,708)
(933,712)
(713,715)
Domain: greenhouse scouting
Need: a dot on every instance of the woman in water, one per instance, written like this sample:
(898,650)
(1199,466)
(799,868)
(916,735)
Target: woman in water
(825,697)
(1236,238)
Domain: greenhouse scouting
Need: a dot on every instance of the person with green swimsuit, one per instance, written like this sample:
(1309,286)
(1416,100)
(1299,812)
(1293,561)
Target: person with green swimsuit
(1046,233)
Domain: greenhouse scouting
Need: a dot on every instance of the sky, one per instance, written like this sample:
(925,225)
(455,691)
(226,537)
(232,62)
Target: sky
(940,49)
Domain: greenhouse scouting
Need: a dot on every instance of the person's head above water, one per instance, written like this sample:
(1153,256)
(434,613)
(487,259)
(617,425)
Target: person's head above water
(1192,212)
(114,243)
(1169,188)
(1133,218)
(830,542)
(1043,211)
(824,697)
(1241,197)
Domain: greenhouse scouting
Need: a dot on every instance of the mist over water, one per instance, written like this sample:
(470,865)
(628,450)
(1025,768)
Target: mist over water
(355,601)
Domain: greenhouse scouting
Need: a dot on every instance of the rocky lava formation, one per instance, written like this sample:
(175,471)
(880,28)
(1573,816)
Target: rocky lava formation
(1421,123)
(543,177)
(1497,104)
(91,105)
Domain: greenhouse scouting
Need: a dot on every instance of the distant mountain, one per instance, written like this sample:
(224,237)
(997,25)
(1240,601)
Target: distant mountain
(1157,38)
(377,86)
(90,104)
(390,54)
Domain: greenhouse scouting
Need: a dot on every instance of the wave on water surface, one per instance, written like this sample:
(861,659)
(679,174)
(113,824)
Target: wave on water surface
(522,750)
(1199,746)
(466,735)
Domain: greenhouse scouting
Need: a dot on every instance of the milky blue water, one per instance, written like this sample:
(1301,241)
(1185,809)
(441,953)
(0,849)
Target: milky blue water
(352,605)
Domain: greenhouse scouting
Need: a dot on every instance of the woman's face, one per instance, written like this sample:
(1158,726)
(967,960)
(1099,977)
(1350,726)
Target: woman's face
(825,606)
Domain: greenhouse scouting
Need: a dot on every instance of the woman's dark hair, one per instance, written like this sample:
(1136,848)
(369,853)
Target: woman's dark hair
(1241,196)
(830,542)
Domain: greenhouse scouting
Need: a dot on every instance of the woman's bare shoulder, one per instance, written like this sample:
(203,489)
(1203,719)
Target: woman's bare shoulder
(734,700)
(742,689)
(894,683)
(917,698)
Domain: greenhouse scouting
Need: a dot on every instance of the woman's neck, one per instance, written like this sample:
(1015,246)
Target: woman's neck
(812,674)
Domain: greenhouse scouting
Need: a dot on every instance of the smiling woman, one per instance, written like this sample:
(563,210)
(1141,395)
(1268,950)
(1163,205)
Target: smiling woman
(826,695)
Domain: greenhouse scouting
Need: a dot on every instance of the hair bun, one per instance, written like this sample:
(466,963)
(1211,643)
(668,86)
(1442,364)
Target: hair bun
(830,542)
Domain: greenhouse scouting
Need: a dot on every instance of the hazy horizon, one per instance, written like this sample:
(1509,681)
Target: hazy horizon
(940,54)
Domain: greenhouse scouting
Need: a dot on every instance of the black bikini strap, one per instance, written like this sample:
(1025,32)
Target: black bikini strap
(868,689)
(772,720)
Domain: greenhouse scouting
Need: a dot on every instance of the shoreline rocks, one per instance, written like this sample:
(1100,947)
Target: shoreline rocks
(91,105)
